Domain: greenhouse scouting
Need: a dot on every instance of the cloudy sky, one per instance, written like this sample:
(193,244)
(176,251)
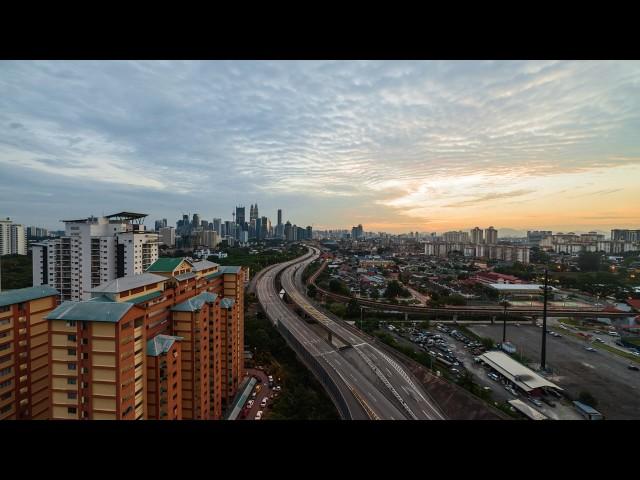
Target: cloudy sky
(396,146)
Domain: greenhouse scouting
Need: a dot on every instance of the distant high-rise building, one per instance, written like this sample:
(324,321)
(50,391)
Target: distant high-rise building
(168,236)
(93,251)
(204,224)
(217,224)
(458,237)
(196,220)
(240,218)
(625,235)
(13,238)
(279,216)
(357,233)
(491,236)
(5,236)
(476,236)
(253,212)
(536,236)
(288,231)
(309,233)
(158,225)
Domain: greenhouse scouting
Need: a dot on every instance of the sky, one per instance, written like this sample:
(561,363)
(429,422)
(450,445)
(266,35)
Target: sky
(397,146)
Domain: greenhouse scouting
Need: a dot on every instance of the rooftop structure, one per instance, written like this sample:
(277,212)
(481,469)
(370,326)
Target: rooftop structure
(525,378)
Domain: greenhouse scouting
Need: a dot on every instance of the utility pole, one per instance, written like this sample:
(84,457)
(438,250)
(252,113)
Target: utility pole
(361,316)
(504,320)
(543,351)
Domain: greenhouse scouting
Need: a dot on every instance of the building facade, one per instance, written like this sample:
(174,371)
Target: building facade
(94,251)
(24,352)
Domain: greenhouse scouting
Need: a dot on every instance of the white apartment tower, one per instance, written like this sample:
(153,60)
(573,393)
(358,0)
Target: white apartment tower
(13,238)
(94,251)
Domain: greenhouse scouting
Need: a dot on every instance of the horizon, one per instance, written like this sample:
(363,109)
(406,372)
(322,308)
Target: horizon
(397,146)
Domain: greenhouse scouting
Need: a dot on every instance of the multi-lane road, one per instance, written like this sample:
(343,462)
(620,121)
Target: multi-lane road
(373,385)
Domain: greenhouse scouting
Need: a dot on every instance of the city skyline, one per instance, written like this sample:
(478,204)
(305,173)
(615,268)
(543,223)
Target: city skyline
(394,146)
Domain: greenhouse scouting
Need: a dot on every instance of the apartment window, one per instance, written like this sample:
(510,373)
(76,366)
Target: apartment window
(71,366)
(71,410)
(6,408)
(71,381)
(71,323)
(5,371)
(71,351)
(126,325)
(5,346)
(6,383)
(72,395)
(71,338)
(5,308)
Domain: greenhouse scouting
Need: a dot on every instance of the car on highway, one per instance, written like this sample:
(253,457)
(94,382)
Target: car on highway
(614,334)
(493,376)
(590,349)
(633,367)
(250,403)
(598,339)
(258,415)
(263,403)
(636,353)
(253,394)
(277,388)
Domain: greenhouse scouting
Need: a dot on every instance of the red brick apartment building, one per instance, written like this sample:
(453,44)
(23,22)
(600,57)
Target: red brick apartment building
(24,372)
(166,344)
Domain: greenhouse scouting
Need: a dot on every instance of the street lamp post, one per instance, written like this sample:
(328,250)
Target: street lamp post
(361,316)
(543,351)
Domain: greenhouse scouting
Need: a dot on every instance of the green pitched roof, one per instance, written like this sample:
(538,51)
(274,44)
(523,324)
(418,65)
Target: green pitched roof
(90,311)
(160,344)
(165,264)
(195,303)
(9,297)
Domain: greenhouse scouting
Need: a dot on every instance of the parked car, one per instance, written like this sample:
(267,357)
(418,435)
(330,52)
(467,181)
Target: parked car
(536,402)
(590,349)
(493,376)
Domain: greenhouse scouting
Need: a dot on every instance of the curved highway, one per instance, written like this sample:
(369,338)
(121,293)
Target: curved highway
(374,385)
(363,400)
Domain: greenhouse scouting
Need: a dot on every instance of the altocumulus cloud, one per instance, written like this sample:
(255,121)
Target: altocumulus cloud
(326,141)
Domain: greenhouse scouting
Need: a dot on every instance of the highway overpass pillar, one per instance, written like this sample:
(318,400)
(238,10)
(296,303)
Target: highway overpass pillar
(493,319)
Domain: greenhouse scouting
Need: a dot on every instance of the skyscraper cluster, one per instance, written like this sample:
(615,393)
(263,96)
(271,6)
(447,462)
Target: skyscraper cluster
(201,233)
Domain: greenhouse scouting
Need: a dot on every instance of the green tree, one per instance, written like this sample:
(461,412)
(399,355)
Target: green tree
(312,291)
(336,286)
(589,261)
(393,289)
(353,309)
(373,293)
(338,309)
(456,300)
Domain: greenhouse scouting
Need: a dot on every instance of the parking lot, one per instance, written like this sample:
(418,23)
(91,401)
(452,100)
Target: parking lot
(458,349)
(603,374)
(263,394)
